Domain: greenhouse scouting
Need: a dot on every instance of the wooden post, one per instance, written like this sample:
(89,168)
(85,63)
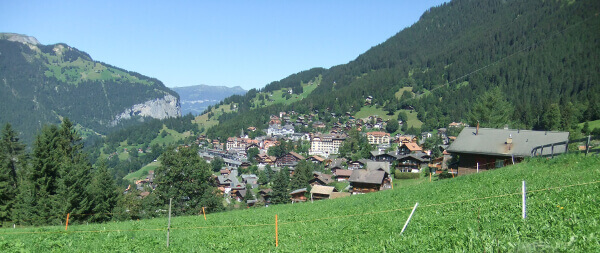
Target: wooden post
(524,212)
(276,233)
(392,181)
(587,145)
(552,151)
(409,217)
(430,176)
(452,172)
(477,167)
(67,226)
(169,223)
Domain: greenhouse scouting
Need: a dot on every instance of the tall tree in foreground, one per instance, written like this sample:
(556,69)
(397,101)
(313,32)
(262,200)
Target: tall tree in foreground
(103,194)
(280,187)
(12,160)
(184,176)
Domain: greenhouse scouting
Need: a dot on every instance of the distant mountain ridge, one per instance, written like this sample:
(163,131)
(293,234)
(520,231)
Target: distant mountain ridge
(40,84)
(195,99)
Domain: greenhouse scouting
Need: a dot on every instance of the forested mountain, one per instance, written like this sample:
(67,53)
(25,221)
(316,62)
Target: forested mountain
(195,99)
(40,84)
(539,59)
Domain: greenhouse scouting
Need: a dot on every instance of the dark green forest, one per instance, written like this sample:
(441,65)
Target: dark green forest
(542,56)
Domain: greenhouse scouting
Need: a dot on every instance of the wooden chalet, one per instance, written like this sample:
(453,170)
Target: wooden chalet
(412,162)
(316,159)
(318,192)
(290,159)
(321,179)
(408,148)
(364,181)
(298,195)
(343,175)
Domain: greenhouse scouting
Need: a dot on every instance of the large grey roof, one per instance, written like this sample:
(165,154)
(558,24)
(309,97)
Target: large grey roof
(370,177)
(492,141)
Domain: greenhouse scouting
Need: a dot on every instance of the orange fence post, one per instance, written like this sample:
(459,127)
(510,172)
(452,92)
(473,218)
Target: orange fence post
(67,226)
(429,176)
(276,233)
(452,172)
(203,213)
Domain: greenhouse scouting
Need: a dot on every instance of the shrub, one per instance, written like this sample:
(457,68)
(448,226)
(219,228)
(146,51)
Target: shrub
(406,175)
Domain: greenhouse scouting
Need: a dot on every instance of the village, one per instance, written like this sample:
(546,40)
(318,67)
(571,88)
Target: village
(244,167)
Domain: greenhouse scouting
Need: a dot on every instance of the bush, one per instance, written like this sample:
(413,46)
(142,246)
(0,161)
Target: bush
(406,175)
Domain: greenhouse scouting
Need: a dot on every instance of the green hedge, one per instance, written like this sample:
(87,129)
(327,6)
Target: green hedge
(406,175)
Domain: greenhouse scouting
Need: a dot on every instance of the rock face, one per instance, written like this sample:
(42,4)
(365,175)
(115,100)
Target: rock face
(20,38)
(159,108)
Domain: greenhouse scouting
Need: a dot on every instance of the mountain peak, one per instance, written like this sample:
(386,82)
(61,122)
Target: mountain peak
(19,38)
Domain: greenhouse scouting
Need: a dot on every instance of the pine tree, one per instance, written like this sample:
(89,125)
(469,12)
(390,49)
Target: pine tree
(302,175)
(491,110)
(103,194)
(12,159)
(280,187)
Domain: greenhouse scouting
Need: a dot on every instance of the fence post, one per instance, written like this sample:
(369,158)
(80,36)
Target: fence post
(524,212)
(477,167)
(276,233)
(67,226)
(203,213)
(409,217)
(169,223)
(587,145)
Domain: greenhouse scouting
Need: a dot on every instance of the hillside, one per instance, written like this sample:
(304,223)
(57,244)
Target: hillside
(43,83)
(477,212)
(541,55)
(195,99)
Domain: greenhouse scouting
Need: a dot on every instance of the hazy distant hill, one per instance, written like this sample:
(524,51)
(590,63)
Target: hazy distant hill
(195,99)
(42,83)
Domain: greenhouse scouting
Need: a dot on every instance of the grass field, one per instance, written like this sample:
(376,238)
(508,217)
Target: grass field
(142,172)
(474,213)
(593,124)
(367,111)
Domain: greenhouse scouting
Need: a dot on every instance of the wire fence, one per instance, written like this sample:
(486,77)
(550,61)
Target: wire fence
(307,220)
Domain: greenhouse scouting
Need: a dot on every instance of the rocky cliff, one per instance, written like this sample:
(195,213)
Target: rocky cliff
(158,108)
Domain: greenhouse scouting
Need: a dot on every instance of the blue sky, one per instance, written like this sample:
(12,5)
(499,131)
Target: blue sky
(231,43)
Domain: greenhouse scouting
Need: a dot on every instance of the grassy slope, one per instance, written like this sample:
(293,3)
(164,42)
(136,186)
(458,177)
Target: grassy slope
(561,219)
(142,172)
(367,111)
(593,124)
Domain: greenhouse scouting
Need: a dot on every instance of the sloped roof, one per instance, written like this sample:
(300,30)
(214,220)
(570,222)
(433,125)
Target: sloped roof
(412,146)
(343,173)
(369,177)
(296,155)
(320,189)
(373,166)
(298,191)
(491,141)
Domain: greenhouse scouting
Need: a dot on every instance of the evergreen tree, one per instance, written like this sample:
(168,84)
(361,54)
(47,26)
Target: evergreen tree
(103,193)
(392,126)
(184,176)
(302,174)
(491,110)
(12,160)
(280,187)
(248,195)
(551,118)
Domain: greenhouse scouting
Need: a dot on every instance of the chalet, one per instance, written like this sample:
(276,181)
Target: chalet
(278,130)
(336,164)
(298,195)
(318,192)
(409,148)
(356,165)
(383,156)
(320,179)
(224,172)
(378,166)
(290,159)
(343,175)
(494,148)
(265,159)
(265,194)
(316,159)
(376,138)
(250,179)
(455,124)
(405,139)
(412,162)
(364,181)
(240,194)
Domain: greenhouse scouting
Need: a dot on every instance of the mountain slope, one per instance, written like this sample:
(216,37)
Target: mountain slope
(540,54)
(195,99)
(42,83)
